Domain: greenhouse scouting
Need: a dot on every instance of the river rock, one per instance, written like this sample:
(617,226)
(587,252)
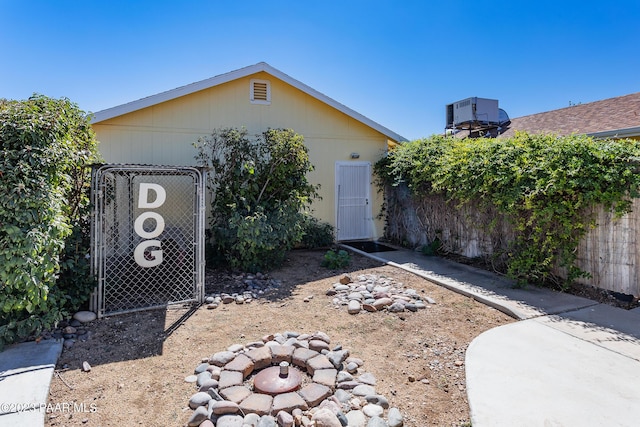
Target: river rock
(267,421)
(202,377)
(369,307)
(207,384)
(199,415)
(352,367)
(199,399)
(354,307)
(377,400)
(396,307)
(381,303)
(356,419)
(372,410)
(344,376)
(221,358)
(224,407)
(284,419)
(229,421)
(377,422)
(367,378)
(395,418)
(251,420)
(363,390)
(326,418)
(85,316)
(201,368)
(337,357)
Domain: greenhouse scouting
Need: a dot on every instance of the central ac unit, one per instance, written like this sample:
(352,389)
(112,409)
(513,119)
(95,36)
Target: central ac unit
(472,112)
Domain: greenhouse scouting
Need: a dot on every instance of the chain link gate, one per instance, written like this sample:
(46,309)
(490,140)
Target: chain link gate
(147,237)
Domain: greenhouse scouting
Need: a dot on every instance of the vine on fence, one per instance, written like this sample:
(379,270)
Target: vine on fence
(547,186)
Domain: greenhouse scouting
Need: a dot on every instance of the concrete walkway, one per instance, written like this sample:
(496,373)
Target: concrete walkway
(26,371)
(569,361)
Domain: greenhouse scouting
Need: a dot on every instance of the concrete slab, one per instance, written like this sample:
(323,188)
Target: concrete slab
(606,316)
(528,373)
(613,328)
(26,370)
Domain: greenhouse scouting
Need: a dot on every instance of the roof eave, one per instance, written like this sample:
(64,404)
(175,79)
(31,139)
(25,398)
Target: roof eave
(617,133)
(149,101)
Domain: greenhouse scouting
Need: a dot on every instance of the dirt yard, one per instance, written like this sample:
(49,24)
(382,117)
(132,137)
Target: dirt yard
(139,361)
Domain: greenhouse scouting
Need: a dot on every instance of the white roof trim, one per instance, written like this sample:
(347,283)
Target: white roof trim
(149,101)
(617,133)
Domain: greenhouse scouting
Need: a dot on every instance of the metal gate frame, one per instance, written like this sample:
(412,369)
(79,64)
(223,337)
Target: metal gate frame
(140,267)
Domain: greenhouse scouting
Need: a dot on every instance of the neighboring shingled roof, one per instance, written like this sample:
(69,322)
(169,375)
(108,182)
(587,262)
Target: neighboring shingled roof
(619,116)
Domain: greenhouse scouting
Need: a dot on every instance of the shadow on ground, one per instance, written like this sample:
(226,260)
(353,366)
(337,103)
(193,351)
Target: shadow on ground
(142,334)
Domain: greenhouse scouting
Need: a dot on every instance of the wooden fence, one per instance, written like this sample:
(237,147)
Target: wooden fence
(608,252)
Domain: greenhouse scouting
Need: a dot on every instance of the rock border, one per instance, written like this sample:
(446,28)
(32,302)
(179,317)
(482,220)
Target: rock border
(337,391)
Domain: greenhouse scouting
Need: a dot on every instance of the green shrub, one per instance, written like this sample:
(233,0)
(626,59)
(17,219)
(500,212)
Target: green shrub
(259,192)
(257,241)
(46,146)
(336,259)
(316,234)
(432,248)
(547,186)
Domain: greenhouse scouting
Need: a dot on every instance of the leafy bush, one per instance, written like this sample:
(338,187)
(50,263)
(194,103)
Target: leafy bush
(46,147)
(432,248)
(257,241)
(546,186)
(316,234)
(260,191)
(335,259)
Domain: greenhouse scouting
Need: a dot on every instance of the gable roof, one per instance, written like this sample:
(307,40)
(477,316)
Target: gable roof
(613,117)
(149,101)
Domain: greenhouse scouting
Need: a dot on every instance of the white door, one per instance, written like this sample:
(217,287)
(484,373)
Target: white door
(353,210)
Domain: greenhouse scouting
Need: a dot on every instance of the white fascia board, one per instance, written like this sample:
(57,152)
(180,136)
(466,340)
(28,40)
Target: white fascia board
(617,133)
(149,101)
(333,103)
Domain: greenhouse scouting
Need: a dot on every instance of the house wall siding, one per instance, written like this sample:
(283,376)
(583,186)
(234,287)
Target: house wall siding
(163,134)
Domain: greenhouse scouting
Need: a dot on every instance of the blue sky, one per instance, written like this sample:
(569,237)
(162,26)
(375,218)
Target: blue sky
(397,62)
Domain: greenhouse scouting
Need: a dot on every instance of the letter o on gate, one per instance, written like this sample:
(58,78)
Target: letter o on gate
(138,226)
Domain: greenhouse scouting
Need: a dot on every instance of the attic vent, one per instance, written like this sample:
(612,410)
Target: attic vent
(260,92)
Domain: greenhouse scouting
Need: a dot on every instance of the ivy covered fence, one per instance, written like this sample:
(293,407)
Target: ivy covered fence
(532,198)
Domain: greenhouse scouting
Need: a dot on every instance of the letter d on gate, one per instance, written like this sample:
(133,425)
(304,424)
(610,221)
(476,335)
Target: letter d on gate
(143,197)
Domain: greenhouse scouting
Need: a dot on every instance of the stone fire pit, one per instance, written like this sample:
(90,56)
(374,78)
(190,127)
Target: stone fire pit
(287,379)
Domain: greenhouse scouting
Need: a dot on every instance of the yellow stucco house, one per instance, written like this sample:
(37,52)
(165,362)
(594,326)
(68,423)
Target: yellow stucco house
(343,144)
